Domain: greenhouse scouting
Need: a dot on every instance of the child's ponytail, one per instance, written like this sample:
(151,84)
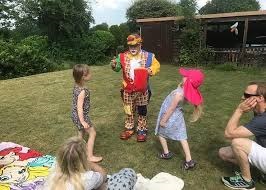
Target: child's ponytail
(198,111)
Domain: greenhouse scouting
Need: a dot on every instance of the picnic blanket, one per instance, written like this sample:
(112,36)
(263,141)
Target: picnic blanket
(22,168)
(160,181)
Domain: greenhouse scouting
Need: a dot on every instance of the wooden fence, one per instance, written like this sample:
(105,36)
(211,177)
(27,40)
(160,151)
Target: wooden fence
(252,56)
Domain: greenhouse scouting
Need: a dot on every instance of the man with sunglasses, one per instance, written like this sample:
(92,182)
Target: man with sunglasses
(135,99)
(244,151)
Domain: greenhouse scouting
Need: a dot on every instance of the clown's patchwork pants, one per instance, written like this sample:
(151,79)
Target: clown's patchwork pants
(135,102)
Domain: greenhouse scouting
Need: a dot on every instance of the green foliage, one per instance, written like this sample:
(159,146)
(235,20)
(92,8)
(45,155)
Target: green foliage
(90,49)
(115,30)
(188,7)
(25,28)
(206,55)
(190,35)
(226,6)
(104,26)
(25,58)
(60,19)
(125,31)
(7,13)
(120,33)
(151,9)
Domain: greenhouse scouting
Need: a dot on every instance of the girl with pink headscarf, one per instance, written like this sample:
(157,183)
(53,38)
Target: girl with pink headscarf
(171,123)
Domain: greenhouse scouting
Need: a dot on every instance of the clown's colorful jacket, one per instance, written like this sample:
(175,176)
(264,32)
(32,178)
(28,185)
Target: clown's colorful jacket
(148,61)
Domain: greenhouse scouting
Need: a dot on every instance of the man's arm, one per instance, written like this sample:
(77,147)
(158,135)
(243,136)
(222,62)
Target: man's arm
(233,130)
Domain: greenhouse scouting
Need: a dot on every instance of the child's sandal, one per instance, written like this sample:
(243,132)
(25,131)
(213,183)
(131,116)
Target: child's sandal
(166,156)
(188,165)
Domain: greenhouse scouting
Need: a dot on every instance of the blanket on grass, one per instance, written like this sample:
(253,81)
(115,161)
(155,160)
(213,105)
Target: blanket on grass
(22,168)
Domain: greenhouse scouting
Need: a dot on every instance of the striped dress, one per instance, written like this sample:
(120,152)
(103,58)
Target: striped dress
(175,127)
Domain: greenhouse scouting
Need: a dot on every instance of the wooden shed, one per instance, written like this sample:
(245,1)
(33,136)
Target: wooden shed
(161,35)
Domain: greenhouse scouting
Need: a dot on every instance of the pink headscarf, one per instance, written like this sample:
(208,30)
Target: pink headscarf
(195,78)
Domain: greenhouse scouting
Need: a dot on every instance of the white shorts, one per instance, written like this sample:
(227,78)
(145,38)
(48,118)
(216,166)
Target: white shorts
(257,156)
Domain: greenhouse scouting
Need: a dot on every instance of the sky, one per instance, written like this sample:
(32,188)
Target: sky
(114,11)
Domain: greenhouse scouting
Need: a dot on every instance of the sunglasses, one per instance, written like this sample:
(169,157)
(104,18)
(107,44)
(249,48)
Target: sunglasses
(246,95)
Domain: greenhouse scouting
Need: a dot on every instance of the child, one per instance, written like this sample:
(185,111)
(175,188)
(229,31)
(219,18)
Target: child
(171,123)
(73,171)
(81,106)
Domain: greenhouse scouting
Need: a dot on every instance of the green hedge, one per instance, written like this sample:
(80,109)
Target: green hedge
(35,55)
(91,49)
(28,57)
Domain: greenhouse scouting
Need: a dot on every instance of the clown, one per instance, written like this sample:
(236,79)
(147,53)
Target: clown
(137,65)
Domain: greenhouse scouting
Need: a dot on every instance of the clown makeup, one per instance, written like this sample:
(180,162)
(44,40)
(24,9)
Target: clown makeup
(134,49)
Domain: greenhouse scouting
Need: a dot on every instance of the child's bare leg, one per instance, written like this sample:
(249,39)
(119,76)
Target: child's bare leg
(90,145)
(81,134)
(164,145)
(186,149)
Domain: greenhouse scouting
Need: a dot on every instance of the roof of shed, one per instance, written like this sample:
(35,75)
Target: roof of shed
(209,16)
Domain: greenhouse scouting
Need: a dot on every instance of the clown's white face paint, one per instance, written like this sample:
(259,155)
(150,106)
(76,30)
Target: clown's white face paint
(134,50)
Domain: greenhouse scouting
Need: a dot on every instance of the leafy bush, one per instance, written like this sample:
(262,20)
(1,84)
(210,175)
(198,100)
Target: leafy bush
(28,57)
(91,49)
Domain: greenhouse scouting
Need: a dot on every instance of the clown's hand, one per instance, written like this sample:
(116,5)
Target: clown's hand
(149,71)
(113,63)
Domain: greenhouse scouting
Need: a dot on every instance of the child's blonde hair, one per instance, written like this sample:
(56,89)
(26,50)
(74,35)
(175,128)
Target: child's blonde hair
(198,110)
(71,162)
(197,113)
(79,71)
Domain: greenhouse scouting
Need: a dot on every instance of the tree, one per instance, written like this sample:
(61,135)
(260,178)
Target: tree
(7,13)
(58,19)
(188,7)
(104,26)
(125,31)
(151,9)
(227,6)
(115,30)
(190,36)
(120,33)
(8,16)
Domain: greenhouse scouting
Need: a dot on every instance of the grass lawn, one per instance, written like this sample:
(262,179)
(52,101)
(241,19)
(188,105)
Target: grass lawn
(35,112)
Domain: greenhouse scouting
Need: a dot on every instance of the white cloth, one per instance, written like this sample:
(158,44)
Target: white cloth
(134,63)
(159,182)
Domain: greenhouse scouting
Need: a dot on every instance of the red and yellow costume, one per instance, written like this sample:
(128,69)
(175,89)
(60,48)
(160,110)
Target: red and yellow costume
(136,99)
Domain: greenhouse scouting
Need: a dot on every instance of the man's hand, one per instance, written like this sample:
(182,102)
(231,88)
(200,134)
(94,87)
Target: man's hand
(113,63)
(248,104)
